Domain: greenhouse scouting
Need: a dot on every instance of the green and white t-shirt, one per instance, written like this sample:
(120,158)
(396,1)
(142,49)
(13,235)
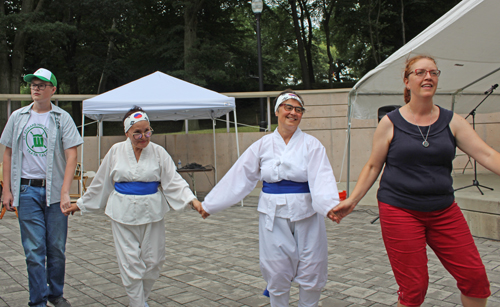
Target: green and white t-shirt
(35,146)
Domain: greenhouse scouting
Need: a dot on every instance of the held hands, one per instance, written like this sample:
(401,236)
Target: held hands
(196,204)
(65,202)
(342,210)
(69,208)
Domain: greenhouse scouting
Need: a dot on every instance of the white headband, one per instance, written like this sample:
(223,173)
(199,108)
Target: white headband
(284,98)
(134,118)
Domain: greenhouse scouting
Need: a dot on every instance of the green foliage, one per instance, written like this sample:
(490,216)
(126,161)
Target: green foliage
(103,44)
(357,51)
(72,38)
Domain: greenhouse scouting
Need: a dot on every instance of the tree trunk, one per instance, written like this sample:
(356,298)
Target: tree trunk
(4,55)
(191,9)
(19,46)
(300,45)
(327,14)
(111,46)
(76,106)
(370,27)
(70,53)
(12,63)
(4,67)
(377,33)
(403,21)
(308,38)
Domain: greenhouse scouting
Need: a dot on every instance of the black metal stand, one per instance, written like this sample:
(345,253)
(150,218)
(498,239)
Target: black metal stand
(468,162)
(475,182)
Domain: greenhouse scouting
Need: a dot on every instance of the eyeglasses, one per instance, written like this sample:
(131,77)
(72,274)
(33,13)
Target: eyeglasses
(40,86)
(289,108)
(139,135)
(423,72)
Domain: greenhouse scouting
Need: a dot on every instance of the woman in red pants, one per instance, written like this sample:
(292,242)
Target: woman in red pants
(417,207)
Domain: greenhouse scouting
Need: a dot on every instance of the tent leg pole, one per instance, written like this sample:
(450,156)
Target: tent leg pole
(99,129)
(237,140)
(9,107)
(215,151)
(236,132)
(83,144)
(269,113)
(348,144)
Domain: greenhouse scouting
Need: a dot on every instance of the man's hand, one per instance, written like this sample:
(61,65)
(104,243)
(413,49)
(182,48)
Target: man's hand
(65,202)
(71,209)
(8,200)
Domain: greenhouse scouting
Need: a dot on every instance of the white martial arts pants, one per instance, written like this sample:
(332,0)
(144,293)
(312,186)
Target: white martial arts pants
(294,251)
(140,250)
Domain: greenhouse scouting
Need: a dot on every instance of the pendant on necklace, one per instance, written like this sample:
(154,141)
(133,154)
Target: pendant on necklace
(425,144)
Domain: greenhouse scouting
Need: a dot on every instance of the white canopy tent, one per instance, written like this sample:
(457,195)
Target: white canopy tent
(464,43)
(163,97)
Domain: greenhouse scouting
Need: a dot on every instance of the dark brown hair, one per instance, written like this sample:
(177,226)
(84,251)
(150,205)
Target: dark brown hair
(409,63)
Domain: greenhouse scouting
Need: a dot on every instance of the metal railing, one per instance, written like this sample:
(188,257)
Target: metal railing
(9,98)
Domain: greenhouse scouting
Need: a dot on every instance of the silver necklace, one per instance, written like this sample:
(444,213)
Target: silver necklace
(425,143)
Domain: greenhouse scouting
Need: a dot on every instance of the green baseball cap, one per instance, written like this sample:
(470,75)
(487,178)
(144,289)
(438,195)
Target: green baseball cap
(42,74)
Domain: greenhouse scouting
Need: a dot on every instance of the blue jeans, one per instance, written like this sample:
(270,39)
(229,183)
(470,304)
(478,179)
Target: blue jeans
(43,234)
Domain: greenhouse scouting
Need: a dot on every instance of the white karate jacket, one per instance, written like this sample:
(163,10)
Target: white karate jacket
(270,159)
(120,165)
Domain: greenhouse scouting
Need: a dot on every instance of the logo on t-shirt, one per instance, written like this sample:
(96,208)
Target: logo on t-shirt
(36,138)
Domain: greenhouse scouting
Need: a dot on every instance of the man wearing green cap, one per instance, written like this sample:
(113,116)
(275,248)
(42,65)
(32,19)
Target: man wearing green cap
(39,163)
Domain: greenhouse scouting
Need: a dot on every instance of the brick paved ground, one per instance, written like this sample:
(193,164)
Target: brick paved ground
(214,262)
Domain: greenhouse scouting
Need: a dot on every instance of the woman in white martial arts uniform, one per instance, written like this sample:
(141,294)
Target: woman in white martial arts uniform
(299,190)
(132,185)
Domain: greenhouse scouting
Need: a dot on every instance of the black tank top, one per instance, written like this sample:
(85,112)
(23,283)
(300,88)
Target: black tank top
(416,177)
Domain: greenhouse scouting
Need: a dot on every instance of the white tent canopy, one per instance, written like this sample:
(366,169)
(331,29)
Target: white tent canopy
(164,98)
(465,43)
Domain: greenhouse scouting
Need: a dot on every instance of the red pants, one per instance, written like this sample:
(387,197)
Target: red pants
(406,233)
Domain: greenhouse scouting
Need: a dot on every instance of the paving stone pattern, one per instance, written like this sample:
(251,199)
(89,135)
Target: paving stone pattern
(215,262)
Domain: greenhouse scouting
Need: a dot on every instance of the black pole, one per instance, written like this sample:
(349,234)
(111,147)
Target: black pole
(475,182)
(263,124)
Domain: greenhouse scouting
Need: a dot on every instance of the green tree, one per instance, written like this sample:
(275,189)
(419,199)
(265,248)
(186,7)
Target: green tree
(16,19)
(96,45)
(366,32)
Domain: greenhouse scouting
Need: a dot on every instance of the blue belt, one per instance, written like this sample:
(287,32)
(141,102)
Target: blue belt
(285,187)
(137,187)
